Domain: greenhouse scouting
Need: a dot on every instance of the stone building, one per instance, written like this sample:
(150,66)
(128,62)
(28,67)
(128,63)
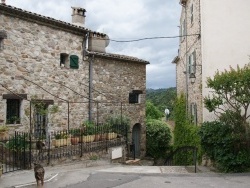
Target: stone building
(65,66)
(212,38)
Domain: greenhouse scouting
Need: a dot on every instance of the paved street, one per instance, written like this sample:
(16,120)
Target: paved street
(102,175)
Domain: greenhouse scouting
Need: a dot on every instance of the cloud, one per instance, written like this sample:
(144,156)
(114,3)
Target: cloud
(126,20)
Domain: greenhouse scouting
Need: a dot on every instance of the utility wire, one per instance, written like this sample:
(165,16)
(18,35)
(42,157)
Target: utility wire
(152,38)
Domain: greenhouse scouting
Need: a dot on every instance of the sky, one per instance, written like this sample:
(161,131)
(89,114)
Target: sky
(126,20)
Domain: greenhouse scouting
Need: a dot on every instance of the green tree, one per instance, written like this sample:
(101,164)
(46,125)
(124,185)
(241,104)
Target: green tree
(152,112)
(230,91)
(162,98)
(185,134)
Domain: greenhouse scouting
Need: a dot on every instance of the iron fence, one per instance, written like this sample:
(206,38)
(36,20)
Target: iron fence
(21,150)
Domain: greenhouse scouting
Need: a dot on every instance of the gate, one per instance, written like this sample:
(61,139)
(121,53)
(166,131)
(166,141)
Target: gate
(15,152)
(183,156)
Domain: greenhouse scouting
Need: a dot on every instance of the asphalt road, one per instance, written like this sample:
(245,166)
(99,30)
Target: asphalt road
(76,179)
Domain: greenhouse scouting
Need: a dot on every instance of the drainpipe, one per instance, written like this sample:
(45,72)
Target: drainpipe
(90,86)
(85,53)
(186,43)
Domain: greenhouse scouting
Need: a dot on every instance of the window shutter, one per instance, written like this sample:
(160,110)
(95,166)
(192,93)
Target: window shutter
(192,15)
(74,62)
(189,65)
(184,28)
(194,62)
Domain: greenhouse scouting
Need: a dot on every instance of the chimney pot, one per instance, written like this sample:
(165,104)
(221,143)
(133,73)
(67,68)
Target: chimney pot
(78,16)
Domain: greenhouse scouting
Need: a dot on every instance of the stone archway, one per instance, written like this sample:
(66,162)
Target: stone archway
(136,137)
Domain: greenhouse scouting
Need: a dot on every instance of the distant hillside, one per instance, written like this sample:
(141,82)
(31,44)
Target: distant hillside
(162,98)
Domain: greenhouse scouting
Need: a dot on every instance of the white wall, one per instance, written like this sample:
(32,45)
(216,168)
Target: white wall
(225,35)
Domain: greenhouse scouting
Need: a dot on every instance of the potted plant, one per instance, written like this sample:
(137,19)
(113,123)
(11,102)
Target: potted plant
(75,136)
(61,139)
(88,132)
(4,132)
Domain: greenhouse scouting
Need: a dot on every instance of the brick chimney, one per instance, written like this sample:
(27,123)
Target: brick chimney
(78,16)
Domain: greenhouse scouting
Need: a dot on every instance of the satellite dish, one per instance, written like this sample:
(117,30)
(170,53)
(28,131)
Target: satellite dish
(107,40)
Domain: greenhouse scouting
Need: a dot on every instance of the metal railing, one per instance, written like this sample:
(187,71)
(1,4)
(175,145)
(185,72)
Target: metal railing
(21,150)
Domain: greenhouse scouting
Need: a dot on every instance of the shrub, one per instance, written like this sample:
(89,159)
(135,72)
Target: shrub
(225,147)
(158,137)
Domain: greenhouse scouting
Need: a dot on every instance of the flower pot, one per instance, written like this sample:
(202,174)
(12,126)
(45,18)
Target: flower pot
(4,135)
(75,140)
(88,138)
(111,136)
(97,137)
(103,136)
(61,142)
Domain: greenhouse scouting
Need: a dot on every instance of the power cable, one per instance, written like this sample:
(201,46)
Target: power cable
(152,38)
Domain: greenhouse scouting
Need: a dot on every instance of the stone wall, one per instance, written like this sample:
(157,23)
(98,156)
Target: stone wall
(30,64)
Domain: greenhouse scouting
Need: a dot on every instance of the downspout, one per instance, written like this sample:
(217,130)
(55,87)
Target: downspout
(187,73)
(90,86)
(86,53)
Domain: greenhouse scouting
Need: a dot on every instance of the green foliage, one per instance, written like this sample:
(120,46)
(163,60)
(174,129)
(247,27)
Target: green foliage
(185,134)
(231,89)
(225,146)
(158,137)
(61,135)
(162,98)
(152,112)
(18,143)
(118,124)
(88,128)
(4,128)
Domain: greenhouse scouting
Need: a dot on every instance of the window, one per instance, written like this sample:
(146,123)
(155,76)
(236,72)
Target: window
(193,113)
(192,13)
(13,111)
(13,106)
(64,60)
(3,35)
(134,97)
(74,62)
(192,63)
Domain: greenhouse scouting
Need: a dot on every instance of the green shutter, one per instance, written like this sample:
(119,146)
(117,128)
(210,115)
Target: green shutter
(189,65)
(74,62)
(194,62)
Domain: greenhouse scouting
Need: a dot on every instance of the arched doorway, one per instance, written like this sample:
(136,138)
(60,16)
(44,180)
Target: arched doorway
(136,137)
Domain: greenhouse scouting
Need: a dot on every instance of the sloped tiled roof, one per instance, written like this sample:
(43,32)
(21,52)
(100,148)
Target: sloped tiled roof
(40,19)
(118,56)
(37,18)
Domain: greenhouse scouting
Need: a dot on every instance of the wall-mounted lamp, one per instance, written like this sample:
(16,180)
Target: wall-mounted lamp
(192,77)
